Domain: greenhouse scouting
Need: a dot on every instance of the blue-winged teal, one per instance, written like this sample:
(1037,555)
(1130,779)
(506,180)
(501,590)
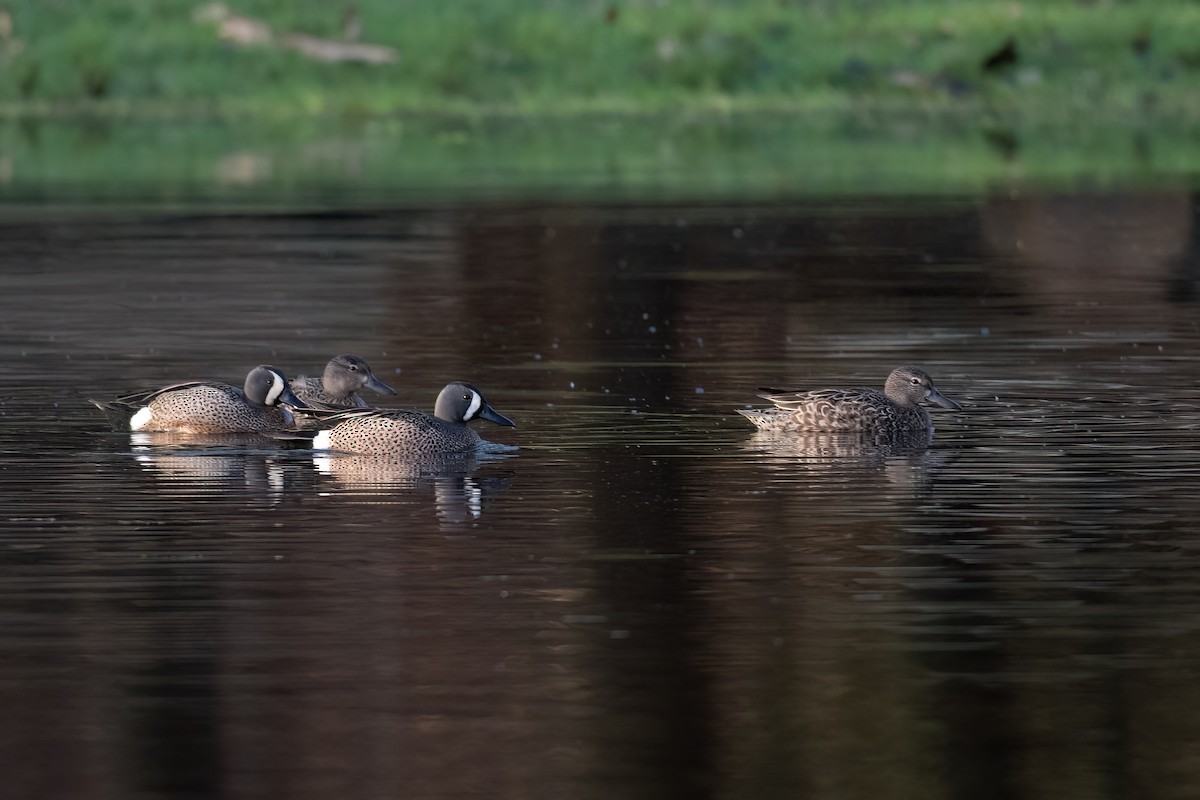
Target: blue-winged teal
(344,376)
(205,407)
(893,412)
(410,433)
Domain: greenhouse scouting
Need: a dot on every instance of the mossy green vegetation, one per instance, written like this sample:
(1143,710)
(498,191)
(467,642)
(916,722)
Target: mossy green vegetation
(159,57)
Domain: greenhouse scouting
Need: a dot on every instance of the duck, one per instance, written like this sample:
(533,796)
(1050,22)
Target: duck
(407,433)
(894,412)
(338,387)
(208,407)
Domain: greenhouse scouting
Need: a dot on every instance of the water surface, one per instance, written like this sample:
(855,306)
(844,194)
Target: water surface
(647,599)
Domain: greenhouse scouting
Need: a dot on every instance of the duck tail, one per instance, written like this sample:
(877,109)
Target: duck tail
(116,414)
(757,416)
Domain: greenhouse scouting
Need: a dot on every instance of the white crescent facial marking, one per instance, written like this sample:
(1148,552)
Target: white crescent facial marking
(473,409)
(277,385)
(141,419)
(321,440)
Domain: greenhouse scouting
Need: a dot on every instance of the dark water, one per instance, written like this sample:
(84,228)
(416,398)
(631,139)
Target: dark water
(646,600)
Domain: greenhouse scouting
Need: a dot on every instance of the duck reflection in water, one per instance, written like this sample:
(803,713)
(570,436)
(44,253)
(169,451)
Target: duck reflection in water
(458,494)
(225,463)
(849,461)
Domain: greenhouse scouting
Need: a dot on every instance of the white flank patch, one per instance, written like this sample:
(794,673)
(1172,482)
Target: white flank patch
(476,402)
(277,385)
(141,419)
(321,440)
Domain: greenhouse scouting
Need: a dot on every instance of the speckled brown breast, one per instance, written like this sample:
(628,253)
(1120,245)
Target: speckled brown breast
(401,433)
(212,408)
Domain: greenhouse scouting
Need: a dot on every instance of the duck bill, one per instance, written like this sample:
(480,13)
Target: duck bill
(378,386)
(289,397)
(940,399)
(489,413)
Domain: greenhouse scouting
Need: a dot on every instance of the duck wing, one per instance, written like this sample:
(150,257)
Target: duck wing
(794,400)
(139,399)
(329,416)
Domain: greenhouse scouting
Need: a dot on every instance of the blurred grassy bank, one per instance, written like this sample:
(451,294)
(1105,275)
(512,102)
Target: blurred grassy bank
(254,101)
(1101,59)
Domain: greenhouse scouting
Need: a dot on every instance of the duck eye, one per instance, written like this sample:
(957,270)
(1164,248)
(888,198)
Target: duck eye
(353,368)
(916,381)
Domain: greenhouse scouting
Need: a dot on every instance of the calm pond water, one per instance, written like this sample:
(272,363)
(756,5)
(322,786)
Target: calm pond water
(645,600)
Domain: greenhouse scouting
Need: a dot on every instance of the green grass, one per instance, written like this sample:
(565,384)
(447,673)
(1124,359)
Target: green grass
(1103,59)
(133,100)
